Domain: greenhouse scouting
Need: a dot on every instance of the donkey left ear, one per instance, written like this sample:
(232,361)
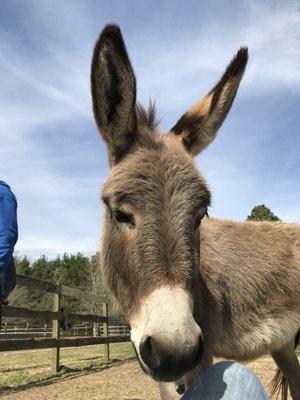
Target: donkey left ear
(113,92)
(198,127)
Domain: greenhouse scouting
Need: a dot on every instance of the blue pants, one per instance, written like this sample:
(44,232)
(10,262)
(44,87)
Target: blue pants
(7,280)
(227,381)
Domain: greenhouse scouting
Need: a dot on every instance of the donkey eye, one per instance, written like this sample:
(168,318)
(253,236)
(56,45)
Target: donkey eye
(199,219)
(124,218)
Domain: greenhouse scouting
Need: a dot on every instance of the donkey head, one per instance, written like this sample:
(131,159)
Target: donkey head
(155,199)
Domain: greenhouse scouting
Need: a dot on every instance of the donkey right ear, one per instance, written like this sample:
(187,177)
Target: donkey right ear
(113,92)
(197,128)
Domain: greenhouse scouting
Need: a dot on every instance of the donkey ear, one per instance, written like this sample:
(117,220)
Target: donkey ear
(198,127)
(113,92)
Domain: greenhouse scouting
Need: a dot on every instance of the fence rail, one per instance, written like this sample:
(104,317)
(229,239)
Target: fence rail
(34,283)
(26,330)
(53,343)
(9,311)
(56,315)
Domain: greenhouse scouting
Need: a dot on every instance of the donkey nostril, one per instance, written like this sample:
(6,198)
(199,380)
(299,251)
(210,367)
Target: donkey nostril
(148,343)
(145,349)
(148,353)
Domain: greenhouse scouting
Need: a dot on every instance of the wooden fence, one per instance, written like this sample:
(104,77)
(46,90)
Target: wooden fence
(21,330)
(56,342)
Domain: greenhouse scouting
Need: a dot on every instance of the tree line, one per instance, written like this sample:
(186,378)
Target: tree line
(77,271)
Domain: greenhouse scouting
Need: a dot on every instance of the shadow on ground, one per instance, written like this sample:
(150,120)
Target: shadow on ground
(65,374)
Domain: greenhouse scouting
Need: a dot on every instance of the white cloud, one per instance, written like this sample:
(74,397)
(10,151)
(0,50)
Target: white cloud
(179,68)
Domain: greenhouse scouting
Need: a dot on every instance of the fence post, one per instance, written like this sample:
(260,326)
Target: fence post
(96,329)
(55,333)
(105,332)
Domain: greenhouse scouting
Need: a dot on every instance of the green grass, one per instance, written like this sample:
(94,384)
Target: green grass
(23,367)
(15,379)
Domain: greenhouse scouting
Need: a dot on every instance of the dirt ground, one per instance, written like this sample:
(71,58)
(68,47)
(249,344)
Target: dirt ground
(121,382)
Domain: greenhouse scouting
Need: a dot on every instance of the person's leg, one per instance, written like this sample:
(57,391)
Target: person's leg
(7,280)
(227,381)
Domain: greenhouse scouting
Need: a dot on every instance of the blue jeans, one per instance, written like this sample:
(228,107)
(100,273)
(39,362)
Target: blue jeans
(227,381)
(7,280)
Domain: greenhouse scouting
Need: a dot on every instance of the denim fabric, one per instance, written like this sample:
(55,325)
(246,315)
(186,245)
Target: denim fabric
(8,238)
(227,381)
(7,280)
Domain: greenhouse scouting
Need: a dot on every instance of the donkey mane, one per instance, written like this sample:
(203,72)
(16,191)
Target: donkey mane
(146,117)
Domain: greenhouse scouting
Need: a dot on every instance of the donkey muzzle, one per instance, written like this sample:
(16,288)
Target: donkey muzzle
(166,337)
(168,363)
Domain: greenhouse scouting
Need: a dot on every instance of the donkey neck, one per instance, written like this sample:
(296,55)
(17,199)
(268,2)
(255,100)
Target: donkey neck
(248,261)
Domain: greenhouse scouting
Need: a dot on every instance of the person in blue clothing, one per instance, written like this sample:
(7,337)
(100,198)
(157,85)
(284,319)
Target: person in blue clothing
(227,380)
(8,239)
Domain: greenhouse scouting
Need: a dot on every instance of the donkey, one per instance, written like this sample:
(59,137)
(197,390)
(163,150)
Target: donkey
(190,287)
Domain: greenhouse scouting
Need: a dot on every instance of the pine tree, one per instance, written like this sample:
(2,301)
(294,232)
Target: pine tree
(262,213)
(22,266)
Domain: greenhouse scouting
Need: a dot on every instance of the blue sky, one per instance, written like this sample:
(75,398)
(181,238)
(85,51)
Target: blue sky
(50,151)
